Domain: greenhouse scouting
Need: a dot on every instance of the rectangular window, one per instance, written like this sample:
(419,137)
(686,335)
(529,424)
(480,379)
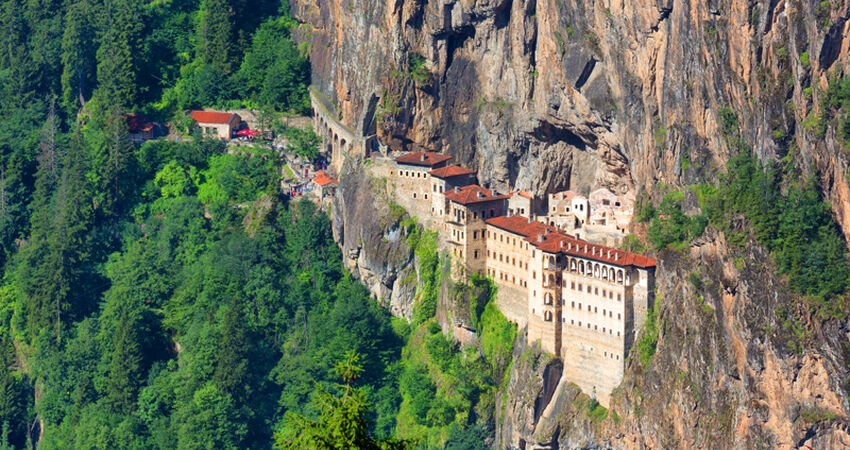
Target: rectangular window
(474,235)
(476,254)
(595,309)
(573,304)
(533,275)
(618,316)
(618,297)
(572,285)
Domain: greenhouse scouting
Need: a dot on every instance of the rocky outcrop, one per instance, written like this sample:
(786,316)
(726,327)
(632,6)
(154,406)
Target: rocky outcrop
(373,245)
(627,95)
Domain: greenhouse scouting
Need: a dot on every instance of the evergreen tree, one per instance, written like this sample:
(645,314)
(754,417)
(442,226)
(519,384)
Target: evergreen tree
(117,180)
(117,63)
(125,369)
(231,372)
(78,56)
(215,35)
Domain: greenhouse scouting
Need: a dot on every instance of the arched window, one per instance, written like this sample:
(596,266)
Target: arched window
(572,265)
(604,273)
(551,280)
(581,267)
(620,276)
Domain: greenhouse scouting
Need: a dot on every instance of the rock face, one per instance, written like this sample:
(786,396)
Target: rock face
(544,95)
(374,247)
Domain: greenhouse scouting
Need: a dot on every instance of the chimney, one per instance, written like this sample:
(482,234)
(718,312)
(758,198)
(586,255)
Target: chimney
(609,253)
(422,157)
(529,220)
(539,237)
(457,189)
(570,246)
(616,256)
(562,244)
(593,251)
(479,194)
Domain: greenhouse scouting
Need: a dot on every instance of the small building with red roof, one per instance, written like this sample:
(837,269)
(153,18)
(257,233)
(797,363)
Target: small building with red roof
(218,124)
(324,184)
(139,128)
(413,184)
(468,208)
(522,203)
(445,179)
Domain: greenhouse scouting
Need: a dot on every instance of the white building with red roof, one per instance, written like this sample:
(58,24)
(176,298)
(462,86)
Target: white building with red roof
(217,123)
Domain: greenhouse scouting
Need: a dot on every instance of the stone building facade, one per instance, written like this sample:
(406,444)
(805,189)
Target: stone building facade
(412,182)
(581,301)
(468,208)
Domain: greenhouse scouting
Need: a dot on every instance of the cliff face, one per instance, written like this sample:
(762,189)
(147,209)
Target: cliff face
(734,365)
(542,95)
(555,93)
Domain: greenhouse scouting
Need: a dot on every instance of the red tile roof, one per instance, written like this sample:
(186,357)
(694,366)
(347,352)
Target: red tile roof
(568,245)
(566,195)
(429,159)
(212,117)
(522,194)
(472,194)
(554,241)
(136,123)
(323,180)
(520,225)
(451,171)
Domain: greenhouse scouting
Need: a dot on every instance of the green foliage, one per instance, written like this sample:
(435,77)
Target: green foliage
(815,415)
(671,227)
(795,225)
(596,412)
(648,339)
(804,59)
(342,422)
(430,278)
(417,69)
(302,142)
(728,120)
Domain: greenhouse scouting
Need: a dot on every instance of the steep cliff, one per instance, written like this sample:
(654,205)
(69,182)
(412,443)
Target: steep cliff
(628,95)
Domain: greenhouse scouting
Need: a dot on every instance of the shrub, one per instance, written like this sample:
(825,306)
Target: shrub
(648,339)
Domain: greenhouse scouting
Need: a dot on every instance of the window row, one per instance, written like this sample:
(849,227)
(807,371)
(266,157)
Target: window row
(507,238)
(605,313)
(507,278)
(610,331)
(594,290)
(507,259)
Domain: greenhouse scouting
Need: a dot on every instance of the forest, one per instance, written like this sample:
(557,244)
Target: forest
(166,294)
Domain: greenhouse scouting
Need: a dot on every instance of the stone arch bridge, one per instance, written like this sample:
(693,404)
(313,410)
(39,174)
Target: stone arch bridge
(338,140)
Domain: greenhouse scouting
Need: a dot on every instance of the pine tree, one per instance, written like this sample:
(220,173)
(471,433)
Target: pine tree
(215,35)
(116,171)
(231,370)
(125,368)
(117,60)
(78,57)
